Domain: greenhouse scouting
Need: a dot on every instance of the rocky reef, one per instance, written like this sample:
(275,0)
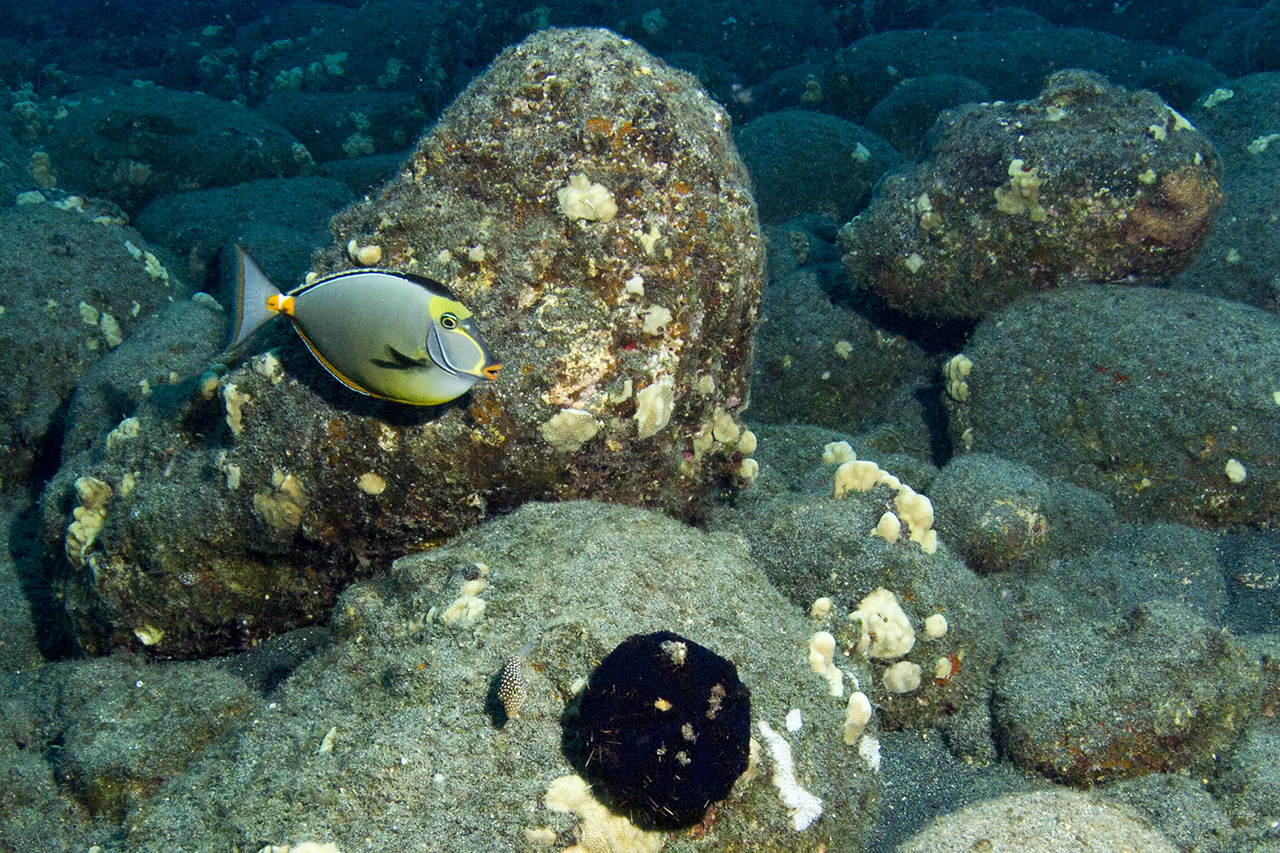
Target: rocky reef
(1086,182)
(405,738)
(1195,373)
(1011,456)
(586,202)
(76,290)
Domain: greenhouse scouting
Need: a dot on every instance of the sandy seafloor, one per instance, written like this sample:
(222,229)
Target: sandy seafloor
(1085,383)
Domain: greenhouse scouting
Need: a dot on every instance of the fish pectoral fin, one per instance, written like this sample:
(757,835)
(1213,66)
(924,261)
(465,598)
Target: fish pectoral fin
(397,360)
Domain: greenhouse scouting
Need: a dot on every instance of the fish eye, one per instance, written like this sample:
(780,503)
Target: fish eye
(448,321)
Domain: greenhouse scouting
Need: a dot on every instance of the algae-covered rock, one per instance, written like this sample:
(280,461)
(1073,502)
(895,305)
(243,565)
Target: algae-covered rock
(1163,401)
(36,812)
(133,143)
(1181,807)
(814,547)
(394,725)
(1159,690)
(15,167)
(1087,181)
(625,330)
(75,289)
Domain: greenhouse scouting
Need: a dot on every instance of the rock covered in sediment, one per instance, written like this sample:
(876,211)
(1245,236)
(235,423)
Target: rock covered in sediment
(815,547)
(76,289)
(1163,401)
(1239,118)
(1000,515)
(410,672)
(820,363)
(809,162)
(133,143)
(586,202)
(397,46)
(1159,690)
(1088,181)
(904,115)
(1061,820)
(284,219)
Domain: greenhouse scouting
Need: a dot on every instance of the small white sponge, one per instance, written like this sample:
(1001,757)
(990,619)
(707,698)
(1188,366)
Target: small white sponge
(582,199)
(822,654)
(886,630)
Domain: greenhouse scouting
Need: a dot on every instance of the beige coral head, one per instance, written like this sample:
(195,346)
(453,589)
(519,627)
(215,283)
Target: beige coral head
(858,475)
(822,653)
(886,630)
(856,716)
(583,199)
(916,510)
(902,677)
(888,528)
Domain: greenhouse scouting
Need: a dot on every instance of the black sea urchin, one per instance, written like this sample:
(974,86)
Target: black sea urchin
(663,729)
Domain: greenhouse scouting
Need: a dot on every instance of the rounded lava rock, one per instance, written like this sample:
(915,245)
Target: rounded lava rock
(663,728)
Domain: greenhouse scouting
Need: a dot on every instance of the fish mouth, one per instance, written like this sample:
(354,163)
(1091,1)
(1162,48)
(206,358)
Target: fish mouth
(491,372)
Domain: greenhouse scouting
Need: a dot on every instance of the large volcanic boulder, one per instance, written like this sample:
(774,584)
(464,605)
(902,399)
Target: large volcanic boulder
(1087,181)
(1159,690)
(1163,401)
(75,288)
(132,144)
(586,202)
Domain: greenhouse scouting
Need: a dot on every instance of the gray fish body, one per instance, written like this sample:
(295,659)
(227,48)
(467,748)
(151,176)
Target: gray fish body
(377,331)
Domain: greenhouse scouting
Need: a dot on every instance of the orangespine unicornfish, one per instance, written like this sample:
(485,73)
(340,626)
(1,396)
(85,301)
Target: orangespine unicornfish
(386,334)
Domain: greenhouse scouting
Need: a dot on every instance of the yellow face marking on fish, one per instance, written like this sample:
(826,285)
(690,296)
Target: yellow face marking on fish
(440,306)
(451,316)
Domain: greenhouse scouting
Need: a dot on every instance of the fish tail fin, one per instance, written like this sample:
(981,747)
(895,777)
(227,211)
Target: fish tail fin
(253,289)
